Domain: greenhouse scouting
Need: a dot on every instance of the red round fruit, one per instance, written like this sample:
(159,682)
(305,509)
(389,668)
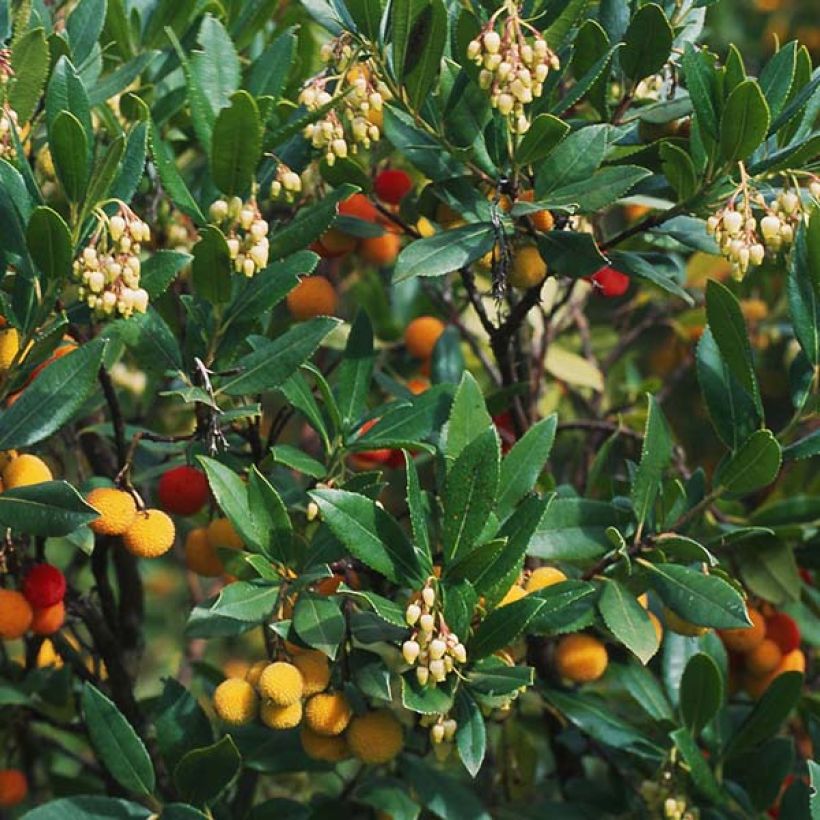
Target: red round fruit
(392,185)
(44,586)
(183,490)
(610,282)
(782,629)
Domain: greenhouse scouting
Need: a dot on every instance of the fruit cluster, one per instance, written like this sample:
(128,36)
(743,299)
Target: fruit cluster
(108,269)
(246,232)
(379,249)
(37,607)
(286,693)
(202,545)
(514,65)
(350,97)
(432,649)
(146,533)
(764,650)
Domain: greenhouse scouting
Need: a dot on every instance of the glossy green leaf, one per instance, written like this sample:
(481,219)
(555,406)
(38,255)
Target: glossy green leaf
(656,452)
(117,745)
(89,808)
(543,136)
(29,61)
(471,735)
(647,42)
(236,146)
(701,82)
(53,398)
(69,148)
(238,607)
(318,621)
(52,508)
(203,774)
(180,722)
(274,361)
(444,252)
(744,122)
(755,464)
(628,621)
(469,494)
(701,692)
(468,417)
(503,625)
(49,243)
(370,534)
(729,331)
(356,369)
(698,598)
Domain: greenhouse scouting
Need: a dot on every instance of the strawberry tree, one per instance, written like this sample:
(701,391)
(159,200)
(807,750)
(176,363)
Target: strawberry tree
(408,410)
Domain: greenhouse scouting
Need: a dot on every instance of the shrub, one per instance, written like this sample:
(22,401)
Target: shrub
(469,355)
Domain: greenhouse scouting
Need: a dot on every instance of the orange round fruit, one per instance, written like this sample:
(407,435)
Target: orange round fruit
(528,268)
(313,296)
(48,620)
(746,638)
(15,614)
(13,787)
(380,250)
(117,510)
(421,335)
(360,207)
(581,658)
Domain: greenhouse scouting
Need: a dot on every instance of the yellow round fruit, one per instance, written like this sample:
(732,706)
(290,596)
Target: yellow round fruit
(375,737)
(254,672)
(322,747)
(117,510)
(200,555)
(221,533)
(15,615)
(528,268)
(9,346)
(421,335)
(328,713)
(281,683)
(682,627)
(24,471)
(581,658)
(315,672)
(151,534)
(543,577)
(746,638)
(236,702)
(281,717)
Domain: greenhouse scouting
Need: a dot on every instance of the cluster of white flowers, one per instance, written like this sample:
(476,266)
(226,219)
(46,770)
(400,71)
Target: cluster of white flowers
(357,97)
(246,231)
(286,184)
(181,233)
(8,120)
(514,65)
(442,733)
(432,648)
(108,269)
(744,239)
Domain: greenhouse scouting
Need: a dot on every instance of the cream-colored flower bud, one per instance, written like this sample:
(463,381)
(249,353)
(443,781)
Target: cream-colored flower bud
(757,253)
(492,42)
(259,229)
(789,201)
(770,226)
(249,267)
(437,733)
(246,217)
(492,61)
(95,281)
(373,133)
(814,188)
(505,104)
(410,651)
(541,72)
(412,614)
(473,50)
(339,147)
(787,233)
(275,189)
(125,243)
(438,670)
(323,98)
(450,729)
(460,653)
(437,649)
(312,511)
(140,300)
(712,225)
(116,227)
(235,206)
(428,595)
(259,255)
(422,675)
(427,622)
(732,222)
(109,301)
(743,259)
(233,247)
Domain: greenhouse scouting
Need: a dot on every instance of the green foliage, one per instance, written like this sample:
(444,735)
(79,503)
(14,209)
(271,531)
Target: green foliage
(626,449)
